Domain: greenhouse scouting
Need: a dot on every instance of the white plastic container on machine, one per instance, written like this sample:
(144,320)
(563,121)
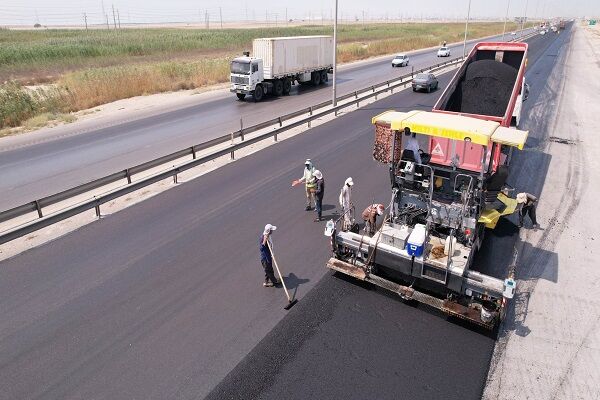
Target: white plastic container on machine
(416,241)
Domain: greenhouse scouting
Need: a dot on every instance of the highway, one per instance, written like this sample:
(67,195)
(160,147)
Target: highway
(38,164)
(164,299)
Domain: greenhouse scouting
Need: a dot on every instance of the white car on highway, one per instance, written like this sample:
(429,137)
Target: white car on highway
(443,52)
(401,60)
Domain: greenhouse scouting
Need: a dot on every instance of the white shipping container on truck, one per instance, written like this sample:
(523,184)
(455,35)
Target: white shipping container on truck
(278,63)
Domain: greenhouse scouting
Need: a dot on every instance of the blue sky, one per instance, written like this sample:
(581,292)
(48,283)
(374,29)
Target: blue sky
(53,12)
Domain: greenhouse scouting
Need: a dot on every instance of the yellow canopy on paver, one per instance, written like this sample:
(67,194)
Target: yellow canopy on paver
(452,126)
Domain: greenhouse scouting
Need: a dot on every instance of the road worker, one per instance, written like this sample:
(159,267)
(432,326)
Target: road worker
(346,203)
(265,256)
(319,192)
(369,216)
(309,181)
(527,203)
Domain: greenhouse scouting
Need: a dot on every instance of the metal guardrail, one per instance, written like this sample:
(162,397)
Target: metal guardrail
(96,202)
(371,91)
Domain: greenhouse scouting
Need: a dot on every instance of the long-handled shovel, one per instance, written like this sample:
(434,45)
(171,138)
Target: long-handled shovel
(291,302)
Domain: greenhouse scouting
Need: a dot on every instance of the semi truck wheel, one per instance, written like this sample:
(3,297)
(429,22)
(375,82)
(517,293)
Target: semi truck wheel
(324,77)
(278,87)
(287,86)
(258,93)
(241,96)
(316,78)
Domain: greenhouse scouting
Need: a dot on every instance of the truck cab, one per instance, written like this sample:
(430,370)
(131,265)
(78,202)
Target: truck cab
(246,73)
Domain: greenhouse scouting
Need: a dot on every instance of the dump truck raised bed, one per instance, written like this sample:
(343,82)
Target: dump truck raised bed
(425,247)
(277,63)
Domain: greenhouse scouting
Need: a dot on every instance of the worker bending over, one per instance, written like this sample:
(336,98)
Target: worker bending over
(369,215)
(527,202)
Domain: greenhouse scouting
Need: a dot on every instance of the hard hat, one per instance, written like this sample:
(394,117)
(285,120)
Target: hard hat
(349,182)
(318,174)
(269,228)
(380,209)
(307,162)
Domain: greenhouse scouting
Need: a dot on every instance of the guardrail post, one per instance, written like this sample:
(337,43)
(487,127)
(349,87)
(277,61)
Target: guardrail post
(310,113)
(97,207)
(280,122)
(193,153)
(128,175)
(356,97)
(39,209)
(412,71)
(241,129)
(175,181)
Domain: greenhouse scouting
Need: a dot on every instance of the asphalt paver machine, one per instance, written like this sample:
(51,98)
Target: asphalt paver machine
(437,215)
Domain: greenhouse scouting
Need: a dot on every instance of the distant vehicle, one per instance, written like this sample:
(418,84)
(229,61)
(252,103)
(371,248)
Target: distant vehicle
(401,60)
(427,82)
(543,32)
(554,28)
(443,52)
(513,33)
(277,63)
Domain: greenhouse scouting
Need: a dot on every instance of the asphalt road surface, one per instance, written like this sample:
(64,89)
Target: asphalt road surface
(163,299)
(47,162)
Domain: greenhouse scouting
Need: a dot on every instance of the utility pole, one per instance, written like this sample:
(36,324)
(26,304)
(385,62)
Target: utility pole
(107,24)
(335,22)
(85,20)
(206,20)
(524,18)
(466,29)
(119,18)
(221,15)
(114,16)
(505,19)
(286,17)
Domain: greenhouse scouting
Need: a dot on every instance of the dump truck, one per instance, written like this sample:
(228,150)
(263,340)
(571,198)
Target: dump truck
(489,85)
(278,63)
(439,209)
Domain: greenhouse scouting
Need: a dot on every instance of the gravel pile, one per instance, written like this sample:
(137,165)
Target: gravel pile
(382,147)
(486,88)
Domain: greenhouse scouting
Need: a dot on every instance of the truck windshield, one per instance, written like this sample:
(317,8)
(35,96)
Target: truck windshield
(238,67)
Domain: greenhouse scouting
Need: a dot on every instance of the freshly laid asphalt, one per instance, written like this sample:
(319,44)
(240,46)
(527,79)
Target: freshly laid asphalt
(43,163)
(164,299)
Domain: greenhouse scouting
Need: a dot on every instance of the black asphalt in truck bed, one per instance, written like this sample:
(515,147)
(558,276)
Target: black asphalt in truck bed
(485,90)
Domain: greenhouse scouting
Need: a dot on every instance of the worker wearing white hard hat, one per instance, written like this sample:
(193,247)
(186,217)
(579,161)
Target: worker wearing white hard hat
(369,216)
(319,193)
(266,258)
(346,203)
(527,203)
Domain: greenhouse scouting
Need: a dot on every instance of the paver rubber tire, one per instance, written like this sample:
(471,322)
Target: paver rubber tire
(278,87)
(287,86)
(241,96)
(258,93)
(315,78)
(324,77)
(429,89)
(414,89)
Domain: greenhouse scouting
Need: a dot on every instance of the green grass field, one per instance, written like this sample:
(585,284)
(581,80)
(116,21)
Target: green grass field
(95,67)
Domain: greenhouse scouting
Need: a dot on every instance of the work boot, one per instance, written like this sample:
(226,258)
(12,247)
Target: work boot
(307,208)
(268,284)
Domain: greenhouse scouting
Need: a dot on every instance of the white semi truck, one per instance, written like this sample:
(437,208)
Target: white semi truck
(277,63)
